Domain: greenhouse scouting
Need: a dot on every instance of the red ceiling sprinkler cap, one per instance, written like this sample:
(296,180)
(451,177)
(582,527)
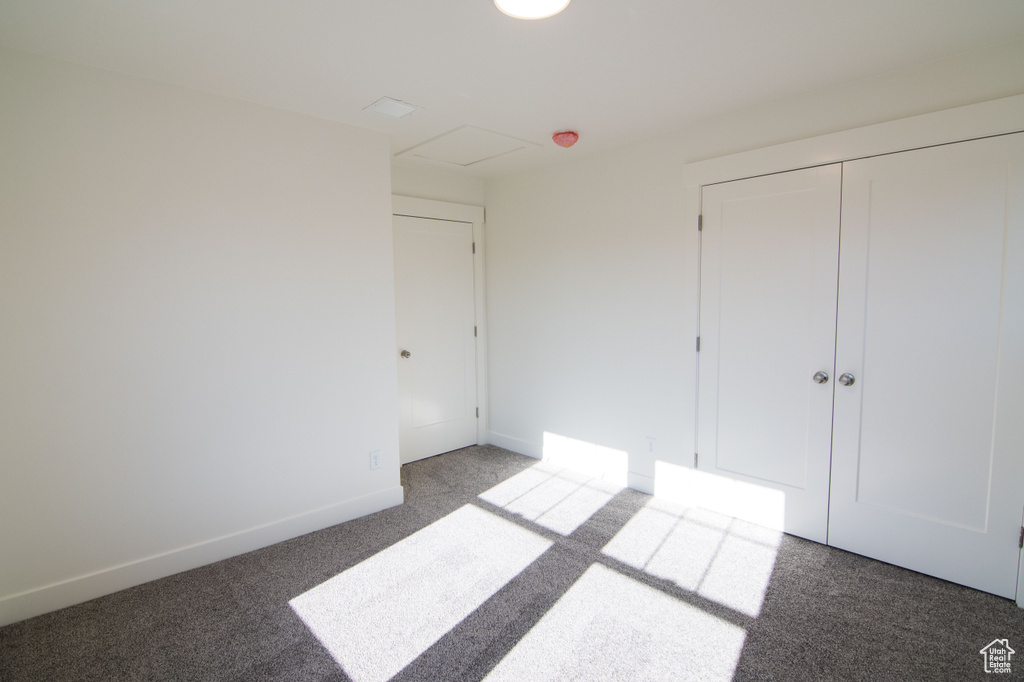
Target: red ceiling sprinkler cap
(566,138)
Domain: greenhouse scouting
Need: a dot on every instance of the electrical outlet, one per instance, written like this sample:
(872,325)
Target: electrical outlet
(375,459)
(650,445)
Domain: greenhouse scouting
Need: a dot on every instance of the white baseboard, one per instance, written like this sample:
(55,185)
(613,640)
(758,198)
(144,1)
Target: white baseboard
(516,445)
(80,589)
(644,484)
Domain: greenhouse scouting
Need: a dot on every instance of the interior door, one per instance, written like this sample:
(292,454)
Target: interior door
(435,318)
(769,267)
(928,454)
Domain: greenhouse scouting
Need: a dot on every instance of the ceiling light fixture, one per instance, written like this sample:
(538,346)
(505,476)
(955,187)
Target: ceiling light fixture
(531,9)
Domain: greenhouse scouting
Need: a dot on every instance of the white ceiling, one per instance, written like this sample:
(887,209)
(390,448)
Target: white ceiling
(613,70)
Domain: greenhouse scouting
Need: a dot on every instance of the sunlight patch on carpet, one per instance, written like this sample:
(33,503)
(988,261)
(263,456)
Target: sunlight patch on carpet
(562,491)
(611,627)
(724,559)
(378,616)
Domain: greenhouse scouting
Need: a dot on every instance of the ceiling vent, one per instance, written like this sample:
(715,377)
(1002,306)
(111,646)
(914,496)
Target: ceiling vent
(392,107)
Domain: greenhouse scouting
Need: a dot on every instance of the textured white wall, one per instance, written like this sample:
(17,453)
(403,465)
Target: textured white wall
(592,264)
(590,307)
(438,185)
(196,297)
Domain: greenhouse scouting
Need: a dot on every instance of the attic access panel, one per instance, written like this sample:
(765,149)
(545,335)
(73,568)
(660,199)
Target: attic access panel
(465,146)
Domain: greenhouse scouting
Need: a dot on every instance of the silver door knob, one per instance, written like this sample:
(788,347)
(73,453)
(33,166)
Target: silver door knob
(820,377)
(846,379)
(406,354)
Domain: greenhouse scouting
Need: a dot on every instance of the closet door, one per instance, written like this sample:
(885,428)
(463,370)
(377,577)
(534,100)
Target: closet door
(769,259)
(928,454)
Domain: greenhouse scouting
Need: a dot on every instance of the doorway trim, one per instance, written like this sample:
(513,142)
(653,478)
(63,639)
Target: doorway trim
(462,213)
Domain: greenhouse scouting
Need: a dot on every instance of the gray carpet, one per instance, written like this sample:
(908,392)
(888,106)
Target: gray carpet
(498,568)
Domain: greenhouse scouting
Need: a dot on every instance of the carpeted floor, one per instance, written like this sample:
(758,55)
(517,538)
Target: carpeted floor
(501,567)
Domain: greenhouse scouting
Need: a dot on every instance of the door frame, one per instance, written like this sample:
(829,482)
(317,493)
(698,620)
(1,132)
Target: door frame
(413,207)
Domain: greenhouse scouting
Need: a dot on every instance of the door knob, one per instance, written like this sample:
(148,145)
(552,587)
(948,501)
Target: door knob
(406,354)
(820,377)
(846,379)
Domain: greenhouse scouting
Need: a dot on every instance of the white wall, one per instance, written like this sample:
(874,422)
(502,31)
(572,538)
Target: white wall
(976,76)
(438,185)
(589,307)
(592,264)
(198,329)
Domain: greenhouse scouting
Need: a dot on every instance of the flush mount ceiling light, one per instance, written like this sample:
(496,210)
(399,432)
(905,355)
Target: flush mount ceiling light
(531,9)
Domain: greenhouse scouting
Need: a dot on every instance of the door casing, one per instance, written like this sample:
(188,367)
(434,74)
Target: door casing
(443,210)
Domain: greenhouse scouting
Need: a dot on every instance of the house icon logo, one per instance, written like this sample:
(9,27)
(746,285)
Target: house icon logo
(997,656)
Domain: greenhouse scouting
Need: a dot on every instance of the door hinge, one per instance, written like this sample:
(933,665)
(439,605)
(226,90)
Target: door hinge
(700,223)
(474,247)
(474,330)
(695,458)
(698,344)
(1020,540)
(478,413)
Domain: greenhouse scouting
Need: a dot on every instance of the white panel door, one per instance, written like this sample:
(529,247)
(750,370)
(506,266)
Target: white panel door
(928,454)
(769,262)
(435,318)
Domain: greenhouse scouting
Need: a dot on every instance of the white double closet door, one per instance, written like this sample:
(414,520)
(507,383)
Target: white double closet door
(903,276)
